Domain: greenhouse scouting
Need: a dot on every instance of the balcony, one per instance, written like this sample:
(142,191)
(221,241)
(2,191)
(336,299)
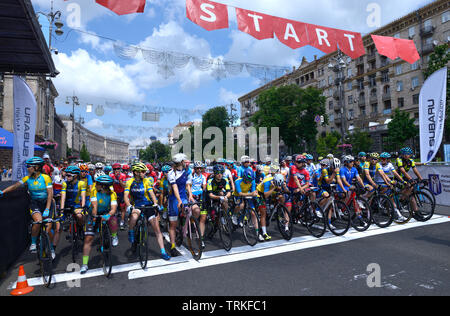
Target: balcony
(427,49)
(336,94)
(373,98)
(360,61)
(374,115)
(338,107)
(386,96)
(427,30)
(362,102)
(384,62)
(371,57)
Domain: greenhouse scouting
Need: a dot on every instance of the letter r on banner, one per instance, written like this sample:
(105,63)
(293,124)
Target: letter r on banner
(207,14)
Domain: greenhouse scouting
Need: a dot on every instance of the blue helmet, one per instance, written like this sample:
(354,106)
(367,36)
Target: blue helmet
(35,161)
(406,151)
(362,154)
(73,170)
(107,180)
(108,169)
(385,155)
(218,169)
(309,157)
(166,168)
(247,175)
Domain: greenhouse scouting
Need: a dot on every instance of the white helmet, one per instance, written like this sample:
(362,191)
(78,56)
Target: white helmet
(99,165)
(278,180)
(336,163)
(274,168)
(98,174)
(91,167)
(245,159)
(178,158)
(260,168)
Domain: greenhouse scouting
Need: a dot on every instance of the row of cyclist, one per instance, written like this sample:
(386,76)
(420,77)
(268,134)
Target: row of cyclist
(163,195)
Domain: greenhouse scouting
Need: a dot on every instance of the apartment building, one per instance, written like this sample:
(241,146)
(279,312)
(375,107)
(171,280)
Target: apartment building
(373,86)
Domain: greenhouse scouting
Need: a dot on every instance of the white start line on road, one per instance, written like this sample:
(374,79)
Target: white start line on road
(217,257)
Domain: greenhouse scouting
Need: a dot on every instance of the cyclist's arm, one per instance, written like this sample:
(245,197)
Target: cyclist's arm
(369,178)
(153,196)
(113,210)
(12,188)
(340,183)
(49,198)
(176,193)
(403,171)
(360,181)
(94,207)
(417,173)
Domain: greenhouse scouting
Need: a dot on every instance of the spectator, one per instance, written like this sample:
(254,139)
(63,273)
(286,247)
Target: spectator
(48,167)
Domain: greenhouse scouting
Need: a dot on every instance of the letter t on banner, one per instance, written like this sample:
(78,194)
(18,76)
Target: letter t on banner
(207,14)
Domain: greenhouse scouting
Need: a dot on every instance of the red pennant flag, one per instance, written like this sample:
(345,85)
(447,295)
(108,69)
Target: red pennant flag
(122,7)
(350,43)
(395,47)
(322,38)
(291,33)
(207,14)
(258,25)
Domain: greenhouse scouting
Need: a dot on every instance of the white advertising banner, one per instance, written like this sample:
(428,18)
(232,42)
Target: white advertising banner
(432,102)
(24,127)
(439,182)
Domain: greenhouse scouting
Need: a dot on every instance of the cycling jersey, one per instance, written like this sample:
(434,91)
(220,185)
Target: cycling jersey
(180,178)
(348,175)
(38,186)
(387,169)
(164,185)
(373,170)
(266,185)
(104,201)
(301,174)
(406,164)
(140,191)
(242,187)
(197,184)
(216,187)
(118,188)
(73,193)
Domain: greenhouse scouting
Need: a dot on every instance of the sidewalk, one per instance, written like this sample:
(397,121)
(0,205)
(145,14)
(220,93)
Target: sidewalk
(442,210)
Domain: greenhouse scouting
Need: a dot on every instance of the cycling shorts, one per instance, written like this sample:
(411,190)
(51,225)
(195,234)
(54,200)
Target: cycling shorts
(173,208)
(38,207)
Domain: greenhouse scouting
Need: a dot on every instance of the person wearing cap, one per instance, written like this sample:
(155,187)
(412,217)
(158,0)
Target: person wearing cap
(284,169)
(245,165)
(299,179)
(119,184)
(48,167)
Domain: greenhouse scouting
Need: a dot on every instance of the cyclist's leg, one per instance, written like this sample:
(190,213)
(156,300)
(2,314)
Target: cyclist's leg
(153,220)
(89,235)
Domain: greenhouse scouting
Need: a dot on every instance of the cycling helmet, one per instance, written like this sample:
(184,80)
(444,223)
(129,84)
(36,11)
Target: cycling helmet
(84,168)
(260,168)
(375,155)
(309,157)
(126,167)
(247,175)
(218,169)
(300,158)
(104,179)
(278,180)
(325,162)
(335,163)
(108,169)
(198,164)
(385,155)
(245,159)
(178,158)
(73,170)
(407,151)
(35,161)
(99,174)
(99,165)
(274,168)
(166,168)
(91,167)
(348,159)
(139,167)
(362,154)
(117,166)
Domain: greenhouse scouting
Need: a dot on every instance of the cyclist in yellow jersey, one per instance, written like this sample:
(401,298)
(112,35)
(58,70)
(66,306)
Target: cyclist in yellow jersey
(404,165)
(370,169)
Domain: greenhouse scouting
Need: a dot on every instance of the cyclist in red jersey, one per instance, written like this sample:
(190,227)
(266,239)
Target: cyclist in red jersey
(119,184)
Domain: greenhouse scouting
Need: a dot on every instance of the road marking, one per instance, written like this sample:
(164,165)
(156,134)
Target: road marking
(216,257)
(272,248)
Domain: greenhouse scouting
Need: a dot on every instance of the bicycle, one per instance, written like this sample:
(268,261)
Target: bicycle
(308,213)
(76,232)
(218,219)
(44,251)
(189,228)
(424,202)
(141,236)
(422,186)
(361,216)
(382,209)
(105,246)
(248,219)
(279,212)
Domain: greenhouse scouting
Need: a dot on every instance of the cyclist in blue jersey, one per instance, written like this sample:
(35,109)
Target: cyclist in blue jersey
(73,193)
(347,174)
(180,180)
(40,187)
(245,165)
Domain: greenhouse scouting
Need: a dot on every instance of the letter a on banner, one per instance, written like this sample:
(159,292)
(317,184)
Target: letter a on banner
(432,102)
(207,14)
(24,126)
(291,33)
(258,25)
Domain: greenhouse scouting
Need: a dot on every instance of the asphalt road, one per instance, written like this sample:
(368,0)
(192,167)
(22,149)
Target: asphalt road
(412,260)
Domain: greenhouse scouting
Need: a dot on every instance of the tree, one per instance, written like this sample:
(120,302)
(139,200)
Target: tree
(157,151)
(400,130)
(438,60)
(328,144)
(293,110)
(360,141)
(84,154)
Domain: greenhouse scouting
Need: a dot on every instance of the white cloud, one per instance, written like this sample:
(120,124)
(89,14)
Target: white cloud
(88,77)
(94,123)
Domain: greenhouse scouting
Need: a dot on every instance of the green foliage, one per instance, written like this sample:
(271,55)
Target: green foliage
(360,141)
(328,144)
(438,60)
(400,130)
(157,151)
(293,110)
(84,154)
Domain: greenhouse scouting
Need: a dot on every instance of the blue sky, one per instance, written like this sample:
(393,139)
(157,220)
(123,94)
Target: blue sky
(90,68)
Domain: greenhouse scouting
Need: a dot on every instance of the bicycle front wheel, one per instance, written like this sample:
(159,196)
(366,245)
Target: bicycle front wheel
(361,220)
(382,211)
(106,249)
(425,206)
(339,219)
(142,240)
(45,258)
(284,222)
(225,230)
(194,238)
(250,227)
(315,220)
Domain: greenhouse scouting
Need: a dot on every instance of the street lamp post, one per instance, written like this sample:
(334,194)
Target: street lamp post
(75,101)
(338,64)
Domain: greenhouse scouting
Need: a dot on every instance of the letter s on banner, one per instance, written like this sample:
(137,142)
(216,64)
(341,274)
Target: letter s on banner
(258,25)
(207,14)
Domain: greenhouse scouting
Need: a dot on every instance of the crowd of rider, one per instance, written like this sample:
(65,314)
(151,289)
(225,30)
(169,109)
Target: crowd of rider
(119,192)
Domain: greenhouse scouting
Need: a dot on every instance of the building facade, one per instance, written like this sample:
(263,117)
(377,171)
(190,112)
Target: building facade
(373,86)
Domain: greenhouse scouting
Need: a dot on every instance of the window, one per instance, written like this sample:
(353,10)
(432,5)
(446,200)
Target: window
(349,72)
(415,66)
(397,35)
(414,82)
(375,108)
(372,81)
(447,36)
(363,110)
(399,86)
(398,69)
(428,23)
(349,85)
(445,16)
(385,76)
(331,118)
(330,105)
(350,99)
(412,32)
(401,102)
(351,114)
(416,99)
(360,84)
(330,80)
